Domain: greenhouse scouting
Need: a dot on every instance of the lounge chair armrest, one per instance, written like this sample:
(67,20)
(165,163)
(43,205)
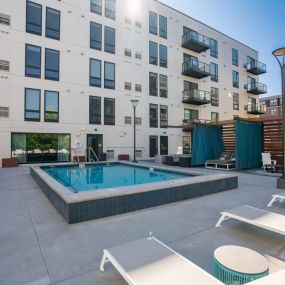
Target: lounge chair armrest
(273,161)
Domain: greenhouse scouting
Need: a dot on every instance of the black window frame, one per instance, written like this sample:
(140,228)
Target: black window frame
(163,32)
(53,29)
(32,111)
(235,82)
(51,112)
(163,62)
(153,29)
(163,123)
(153,60)
(153,122)
(29,23)
(156,89)
(95,78)
(217,117)
(30,66)
(105,80)
(214,51)
(161,93)
(94,10)
(108,12)
(215,96)
(236,101)
(107,45)
(92,24)
(51,70)
(111,117)
(214,77)
(235,61)
(94,117)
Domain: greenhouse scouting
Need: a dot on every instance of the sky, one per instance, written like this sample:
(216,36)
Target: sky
(259,24)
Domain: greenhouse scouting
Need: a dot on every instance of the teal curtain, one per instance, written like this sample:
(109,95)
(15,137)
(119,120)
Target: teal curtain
(249,144)
(207,143)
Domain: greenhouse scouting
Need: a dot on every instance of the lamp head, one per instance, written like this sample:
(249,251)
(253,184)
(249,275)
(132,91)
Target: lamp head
(134,102)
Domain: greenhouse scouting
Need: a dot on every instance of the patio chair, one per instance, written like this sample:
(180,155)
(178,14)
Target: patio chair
(226,161)
(256,217)
(267,162)
(280,198)
(150,262)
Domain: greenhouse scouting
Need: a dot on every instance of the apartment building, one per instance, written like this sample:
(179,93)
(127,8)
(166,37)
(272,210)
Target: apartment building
(69,69)
(272,105)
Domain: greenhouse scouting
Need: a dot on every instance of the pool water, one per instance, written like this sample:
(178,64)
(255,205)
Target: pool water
(93,177)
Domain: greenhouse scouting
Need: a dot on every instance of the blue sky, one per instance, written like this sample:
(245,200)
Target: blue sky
(259,24)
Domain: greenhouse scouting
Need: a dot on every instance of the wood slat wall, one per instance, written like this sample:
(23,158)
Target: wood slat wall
(272,134)
(229,137)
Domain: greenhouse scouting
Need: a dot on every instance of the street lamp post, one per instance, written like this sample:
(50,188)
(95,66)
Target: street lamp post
(134,103)
(280,56)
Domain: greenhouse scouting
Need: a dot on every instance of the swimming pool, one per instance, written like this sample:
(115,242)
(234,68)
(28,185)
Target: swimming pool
(94,177)
(87,192)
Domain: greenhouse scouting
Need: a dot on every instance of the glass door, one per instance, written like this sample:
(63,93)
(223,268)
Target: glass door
(95,141)
(153,146)
(186,142)
(163,145)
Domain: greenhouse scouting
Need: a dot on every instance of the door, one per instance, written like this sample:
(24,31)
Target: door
(186,145)
(153,146)
(251,82)
(190,86)
(163,145)
(95,141)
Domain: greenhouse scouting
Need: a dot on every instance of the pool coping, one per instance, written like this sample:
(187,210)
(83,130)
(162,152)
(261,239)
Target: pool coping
(100,203)
(71,197)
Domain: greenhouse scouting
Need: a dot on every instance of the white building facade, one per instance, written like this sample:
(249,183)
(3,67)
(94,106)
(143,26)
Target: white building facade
(69,69)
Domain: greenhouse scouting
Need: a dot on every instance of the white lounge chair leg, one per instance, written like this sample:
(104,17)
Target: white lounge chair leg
(272,201)
(220,221)
(103,261)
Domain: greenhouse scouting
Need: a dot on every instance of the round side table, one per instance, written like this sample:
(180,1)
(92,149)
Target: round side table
(236,265)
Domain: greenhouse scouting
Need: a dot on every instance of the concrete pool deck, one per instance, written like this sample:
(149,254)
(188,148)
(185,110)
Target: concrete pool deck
(37,247)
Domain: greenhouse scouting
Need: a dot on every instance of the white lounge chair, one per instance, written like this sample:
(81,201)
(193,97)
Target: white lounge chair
(275,198)
(266,160)
(150,262)
(257,217)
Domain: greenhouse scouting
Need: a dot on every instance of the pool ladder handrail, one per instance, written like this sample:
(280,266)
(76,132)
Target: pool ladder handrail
(75,152)
(88,149)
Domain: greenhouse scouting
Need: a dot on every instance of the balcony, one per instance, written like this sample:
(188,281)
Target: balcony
(256,67)
(196,97)
(256,88)
(255,109)
(195,42)
(196,69)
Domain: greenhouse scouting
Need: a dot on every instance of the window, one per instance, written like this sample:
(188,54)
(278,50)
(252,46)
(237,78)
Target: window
(153,84)
(163,116)
(95,72)
(96,6)
(138,55)
(4,65)
(153,116)
(190,115)
(152,22)
(214,117)
(235,57)
(163,56)
(94,110)
(163,86)
(128,52)
(95,36)
(235,79)
(273,111)
(138,88)
(110,9)
(214,96)
(235,101)
(5,19)
(51,106)
(153,53)
(213,48)
(138,24)
(214,72)
(52,64)
(33,61)
(52,23)
(109,75)
(128,120)
(273,102)
(32,104)
(109,111)
(4,112)
(34,18)
(162,27)
(109,40)
(128,86)
(138,121)
(163,145)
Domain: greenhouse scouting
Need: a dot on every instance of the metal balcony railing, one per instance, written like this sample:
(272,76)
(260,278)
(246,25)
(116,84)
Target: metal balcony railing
(195,41)
(256,67)
(195,68)
(256,88)
(196,97)
(255,109)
